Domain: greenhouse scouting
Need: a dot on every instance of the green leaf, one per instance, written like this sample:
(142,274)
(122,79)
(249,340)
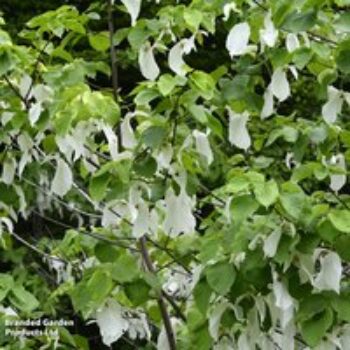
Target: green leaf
(106,252)
(154,136)
(204,83)
(99,41)
(340,219)
(138,292)
(199,113)
(341,245)
(242,207)
(6,61)
(202,293)
(125,269)
(23,300)
(145,166)
(91,292)
(341,304)
(193,18)
(327,231)
(299,21)
(266,193)
(98,187)
(220,277)
(343,22)
(6,284)
(293,200)
(314,329)
(342,58)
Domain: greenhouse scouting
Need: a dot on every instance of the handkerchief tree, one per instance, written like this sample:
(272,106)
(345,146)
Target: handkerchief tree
(174,175)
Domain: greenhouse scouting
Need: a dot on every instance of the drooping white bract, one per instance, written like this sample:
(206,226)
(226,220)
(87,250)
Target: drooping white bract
(179,283)
(283,301)
(138,326)
(292,42)
(269,34)
(113,213)
(112,140)
(25,85)
(176,53)
(203,146)
(111,322)
(215,315)
(133,7)
(127,132)
(148,65)
(5,224)
(238,39)
(141,223)
(267,109)
(34,112)
(338,181)
(42,93)
(238,133)
(63,179)
(178,213)
(280,85)
(271,243)
(164,157)
(329,276)
(333,106)
(8,171)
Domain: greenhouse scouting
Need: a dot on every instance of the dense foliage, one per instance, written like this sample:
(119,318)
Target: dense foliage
(174,174)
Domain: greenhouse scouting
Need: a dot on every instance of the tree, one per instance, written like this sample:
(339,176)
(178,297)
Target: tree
(176,173)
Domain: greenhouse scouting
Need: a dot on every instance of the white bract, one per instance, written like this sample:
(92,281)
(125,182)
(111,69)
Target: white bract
(111,322)
(292,42)
(338,181)
(238,39)
(238,133)
(8,171)
(215,315)
(141,224)
(279,85)
(271,243)
(133,7)
(35,112)
(63,179)
(176,53)
(333,106)
(178,213)
(203,146)
(269,34)
(127,132)
(112,140)
(147,62)
(267,109)
(329,276)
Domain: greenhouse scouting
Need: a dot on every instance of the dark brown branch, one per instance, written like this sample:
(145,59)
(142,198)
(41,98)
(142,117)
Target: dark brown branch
(163,310)
(113,56)
(16,92)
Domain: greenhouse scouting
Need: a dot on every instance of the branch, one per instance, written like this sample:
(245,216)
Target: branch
(16,92)
(35,249)
(36,68)
(164,312)
(112,50)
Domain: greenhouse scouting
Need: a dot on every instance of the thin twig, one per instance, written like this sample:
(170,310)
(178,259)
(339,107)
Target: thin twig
(35,249)
(113,56)
(163,310)
(16,92)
